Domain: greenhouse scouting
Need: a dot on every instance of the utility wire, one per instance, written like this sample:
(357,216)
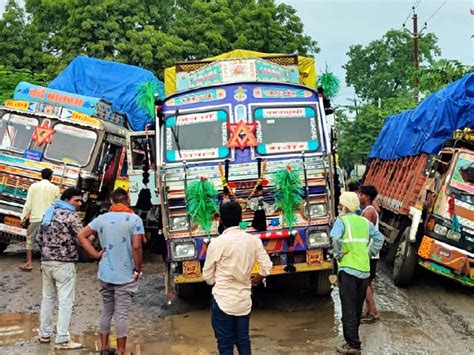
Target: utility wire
(414,6)
(434,13)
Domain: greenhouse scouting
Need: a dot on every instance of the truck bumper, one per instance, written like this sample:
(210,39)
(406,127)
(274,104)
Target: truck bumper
(195,275)
(11,233)
(447,260)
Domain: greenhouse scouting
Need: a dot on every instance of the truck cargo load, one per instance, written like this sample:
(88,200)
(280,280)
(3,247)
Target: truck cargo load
(422,165)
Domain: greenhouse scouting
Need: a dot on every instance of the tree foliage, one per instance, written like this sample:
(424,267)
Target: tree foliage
(10,77)
(150,33)
(357,135)
(441,73)
(384,68)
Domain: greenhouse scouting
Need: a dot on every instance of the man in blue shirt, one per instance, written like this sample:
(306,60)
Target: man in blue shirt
(120,233)
(355,239)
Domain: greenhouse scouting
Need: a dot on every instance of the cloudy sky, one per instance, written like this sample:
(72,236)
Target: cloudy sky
(336,24)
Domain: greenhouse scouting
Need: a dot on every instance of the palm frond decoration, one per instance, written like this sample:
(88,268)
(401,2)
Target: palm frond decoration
(288,194)
(201,201)
(145,98)
(330,83)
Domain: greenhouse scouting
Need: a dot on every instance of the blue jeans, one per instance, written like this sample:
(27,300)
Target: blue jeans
(59,283)
(230,330)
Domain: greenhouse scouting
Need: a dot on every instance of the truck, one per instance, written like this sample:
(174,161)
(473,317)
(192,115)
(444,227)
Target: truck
(236,121)
(45,128)
(422,165)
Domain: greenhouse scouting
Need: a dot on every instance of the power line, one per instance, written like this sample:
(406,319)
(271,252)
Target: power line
(414,6)
(434,13)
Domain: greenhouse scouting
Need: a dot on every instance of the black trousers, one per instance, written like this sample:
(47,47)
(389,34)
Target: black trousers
(352,292)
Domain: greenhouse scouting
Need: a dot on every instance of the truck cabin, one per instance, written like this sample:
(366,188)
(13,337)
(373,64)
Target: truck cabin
(79,149)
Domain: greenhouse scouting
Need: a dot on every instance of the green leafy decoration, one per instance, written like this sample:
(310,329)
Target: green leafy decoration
(146,96)
(201,202)
(288,192)
(330,83)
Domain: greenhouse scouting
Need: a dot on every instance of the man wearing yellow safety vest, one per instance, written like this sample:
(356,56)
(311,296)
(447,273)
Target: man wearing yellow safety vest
(355,240)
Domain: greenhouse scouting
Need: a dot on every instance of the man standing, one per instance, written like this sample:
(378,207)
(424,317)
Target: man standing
(367,195)
(40,196)
(120,233)
(229,262)
(58,241)
(355,239)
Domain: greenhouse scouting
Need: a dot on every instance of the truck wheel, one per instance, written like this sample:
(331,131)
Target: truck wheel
(3,246)
(187,290)
(405,261)
(321,285)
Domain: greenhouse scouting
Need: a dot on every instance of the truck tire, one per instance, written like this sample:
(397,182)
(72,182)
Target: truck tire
(185,290)
(405,261)
(3,246)
(320,282)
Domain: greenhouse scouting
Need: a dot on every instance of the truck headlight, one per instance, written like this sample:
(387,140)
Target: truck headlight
(317,239)
(178,223)
(440,229)
(453,235)
(315,210)
(183,250)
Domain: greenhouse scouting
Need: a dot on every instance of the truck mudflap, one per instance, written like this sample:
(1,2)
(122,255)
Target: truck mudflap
(192,270)
(447,260)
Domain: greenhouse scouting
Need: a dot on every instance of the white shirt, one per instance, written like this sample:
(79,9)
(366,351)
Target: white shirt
(40,196)
(228,266)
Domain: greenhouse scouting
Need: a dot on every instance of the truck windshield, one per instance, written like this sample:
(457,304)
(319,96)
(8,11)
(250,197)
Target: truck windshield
(194,136)
(16,132)
(286,129)
(463,175)
(71,145)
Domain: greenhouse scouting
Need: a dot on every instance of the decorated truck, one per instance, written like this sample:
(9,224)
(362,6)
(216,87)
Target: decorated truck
(77,127)
(422,165)
(77,137)
(246,126)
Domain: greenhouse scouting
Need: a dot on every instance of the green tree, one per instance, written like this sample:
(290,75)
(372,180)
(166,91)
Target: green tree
(384,68)
(357,134)
(158,33)
(10,77)
(219,26)
(441,73)
(20,48)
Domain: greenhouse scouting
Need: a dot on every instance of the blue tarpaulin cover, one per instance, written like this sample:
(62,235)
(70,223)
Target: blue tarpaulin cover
(425,128)
(115,82)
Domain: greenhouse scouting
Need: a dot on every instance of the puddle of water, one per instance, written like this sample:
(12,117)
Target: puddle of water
(15,327)
(267,328)
(141,346)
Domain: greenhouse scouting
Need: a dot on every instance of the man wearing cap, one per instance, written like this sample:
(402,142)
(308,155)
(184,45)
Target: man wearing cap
(355,240)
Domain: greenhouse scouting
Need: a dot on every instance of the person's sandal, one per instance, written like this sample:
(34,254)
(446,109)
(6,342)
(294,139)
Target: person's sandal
(25,267)
(110,351)
(68,345)
(369,319)
(347,349)
(44,340)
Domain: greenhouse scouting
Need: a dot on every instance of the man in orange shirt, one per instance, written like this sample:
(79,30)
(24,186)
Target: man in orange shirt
(228,267)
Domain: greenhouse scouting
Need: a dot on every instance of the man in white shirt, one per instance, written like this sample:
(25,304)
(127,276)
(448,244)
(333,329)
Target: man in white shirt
(40,196)
(229,262)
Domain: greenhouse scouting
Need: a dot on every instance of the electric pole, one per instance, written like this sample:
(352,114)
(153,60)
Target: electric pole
(415,34)
(415,56)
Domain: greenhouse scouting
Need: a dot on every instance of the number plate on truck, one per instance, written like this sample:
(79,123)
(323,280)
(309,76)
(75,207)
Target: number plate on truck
(191,269)
(314,257)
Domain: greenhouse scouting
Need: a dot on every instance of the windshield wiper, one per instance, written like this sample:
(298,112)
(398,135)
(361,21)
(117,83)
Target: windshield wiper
(176,133)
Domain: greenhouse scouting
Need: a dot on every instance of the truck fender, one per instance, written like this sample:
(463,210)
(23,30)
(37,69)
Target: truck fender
(415,214)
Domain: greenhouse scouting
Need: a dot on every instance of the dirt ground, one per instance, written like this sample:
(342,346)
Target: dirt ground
(435,315)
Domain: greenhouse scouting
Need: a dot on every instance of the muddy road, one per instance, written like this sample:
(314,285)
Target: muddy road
(433,316)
